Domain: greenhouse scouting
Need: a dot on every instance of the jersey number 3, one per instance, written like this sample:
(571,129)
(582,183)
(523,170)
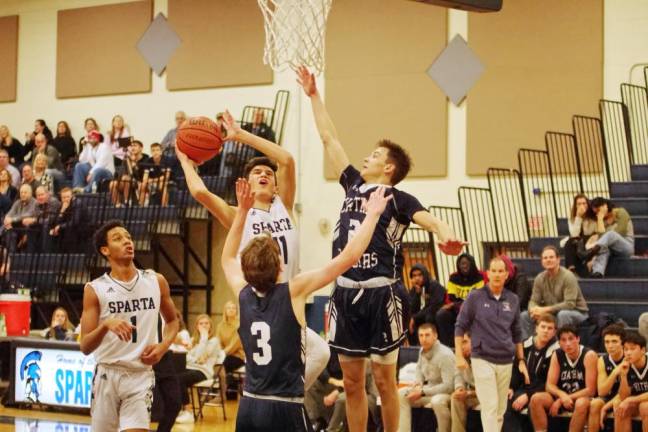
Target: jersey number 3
(261,330)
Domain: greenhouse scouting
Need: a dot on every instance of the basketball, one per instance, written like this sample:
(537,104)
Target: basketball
(199,138)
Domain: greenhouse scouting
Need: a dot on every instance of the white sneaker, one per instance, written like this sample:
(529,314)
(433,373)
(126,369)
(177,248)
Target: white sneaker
(185,417)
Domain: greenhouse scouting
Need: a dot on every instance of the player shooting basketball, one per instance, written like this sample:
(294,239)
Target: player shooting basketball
(368,304)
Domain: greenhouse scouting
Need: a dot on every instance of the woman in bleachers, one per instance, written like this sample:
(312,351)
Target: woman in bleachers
(582,224)
(201,359)
(8,193)
(60,327)
(64,143)
(118,130)
(227,333)
(14,148)
(89,125)
(616,235)
(39,127)
(40,173)
(465,279)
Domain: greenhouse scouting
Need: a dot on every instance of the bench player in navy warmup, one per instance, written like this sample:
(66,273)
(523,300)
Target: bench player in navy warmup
(273,184)
(119,325)
(368,305)
(633,390)
(273,321)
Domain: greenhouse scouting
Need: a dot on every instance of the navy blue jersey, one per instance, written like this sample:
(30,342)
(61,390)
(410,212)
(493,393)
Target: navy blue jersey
(572,373)
(273,342)
(610,365)
(638,379)
(384,255)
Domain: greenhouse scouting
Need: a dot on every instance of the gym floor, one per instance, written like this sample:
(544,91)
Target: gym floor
(21,420)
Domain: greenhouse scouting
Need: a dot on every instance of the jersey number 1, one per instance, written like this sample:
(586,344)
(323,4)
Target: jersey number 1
(283,247)
(261,330)
(133,321)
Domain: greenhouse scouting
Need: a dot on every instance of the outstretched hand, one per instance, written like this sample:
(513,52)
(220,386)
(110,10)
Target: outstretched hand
(452,246)
(232,127)
(306,80)
(244,195)
(377,201)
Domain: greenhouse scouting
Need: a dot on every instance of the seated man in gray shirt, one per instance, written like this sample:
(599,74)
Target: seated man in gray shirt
(464,396)
(555,291)
(434,381)
(21,216)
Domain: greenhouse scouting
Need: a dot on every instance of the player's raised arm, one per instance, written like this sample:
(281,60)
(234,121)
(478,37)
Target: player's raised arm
(325,126)
(212,202)
(229,260)
(448,243)
(286,177)
(306,283)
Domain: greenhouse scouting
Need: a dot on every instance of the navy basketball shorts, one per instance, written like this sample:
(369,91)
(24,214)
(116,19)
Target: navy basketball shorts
(365,321)
(267,415)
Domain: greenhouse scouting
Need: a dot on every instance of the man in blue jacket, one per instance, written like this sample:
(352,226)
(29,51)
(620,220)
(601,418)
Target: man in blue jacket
(492,317)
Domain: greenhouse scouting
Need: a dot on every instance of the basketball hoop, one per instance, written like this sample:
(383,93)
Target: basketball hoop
(295,31)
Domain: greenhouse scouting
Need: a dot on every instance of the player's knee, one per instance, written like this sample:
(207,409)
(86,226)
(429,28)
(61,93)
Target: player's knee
(596,404)
(643,410)
(353,384)
(537,399)
(581,405)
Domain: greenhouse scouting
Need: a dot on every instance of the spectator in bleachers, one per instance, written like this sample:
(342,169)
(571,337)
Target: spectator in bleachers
(69,226)
(160,173)
(633,391)
(129,174)
(582,224)
(616,234)
(571,383)
(95,165)
(227,334)
(259,127)
(537,354)
(555,291)
(54,165)
(89,125)
(40,127)
(607,377)
(28,176)
(461,283)
(643,324)
(492,316)
(318,398)
(118,131)
(4,164)
(201,359)
(8,192)
(13,147)
(426,297)
(60,326)
(517,282)
(41,174)
(47,208)
(434,381)
(168,142)
(21,215)
(464,396)
(64,143)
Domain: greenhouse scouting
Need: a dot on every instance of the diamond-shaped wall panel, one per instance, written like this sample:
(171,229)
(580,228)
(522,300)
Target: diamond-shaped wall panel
(158,43)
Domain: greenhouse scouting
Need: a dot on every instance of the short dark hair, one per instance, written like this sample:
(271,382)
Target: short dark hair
(428,325)
(399,157)
(635,338)
(138,142)
(568,328)
(547,318)
(101,235)
(550,247)
(599,201)
(155,144)
(614,329)
(259,160)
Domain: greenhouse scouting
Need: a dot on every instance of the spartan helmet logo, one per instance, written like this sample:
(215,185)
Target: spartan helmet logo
(30,375)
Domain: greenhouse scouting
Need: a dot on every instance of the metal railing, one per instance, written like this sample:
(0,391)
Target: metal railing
(538,192)
(592,156)
(510,209)
(477,208)
(617,139)
(636,99)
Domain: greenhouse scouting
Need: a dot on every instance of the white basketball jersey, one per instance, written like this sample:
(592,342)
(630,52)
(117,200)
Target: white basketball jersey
(278,223)
(136,302)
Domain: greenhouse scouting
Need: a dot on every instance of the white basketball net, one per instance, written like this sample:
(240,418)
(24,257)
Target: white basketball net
(295,31)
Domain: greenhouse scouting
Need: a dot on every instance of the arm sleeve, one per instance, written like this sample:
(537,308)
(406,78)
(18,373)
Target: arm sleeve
(516,329)
(575,226)
(104,154)
(447,378)
(407,205)
(535,292)
(13,210)
(466,315)
(419,378)
(459,381)
(622,220)
(349,177)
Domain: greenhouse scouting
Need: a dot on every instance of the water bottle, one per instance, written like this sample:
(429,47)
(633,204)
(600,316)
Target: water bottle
(94,187)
